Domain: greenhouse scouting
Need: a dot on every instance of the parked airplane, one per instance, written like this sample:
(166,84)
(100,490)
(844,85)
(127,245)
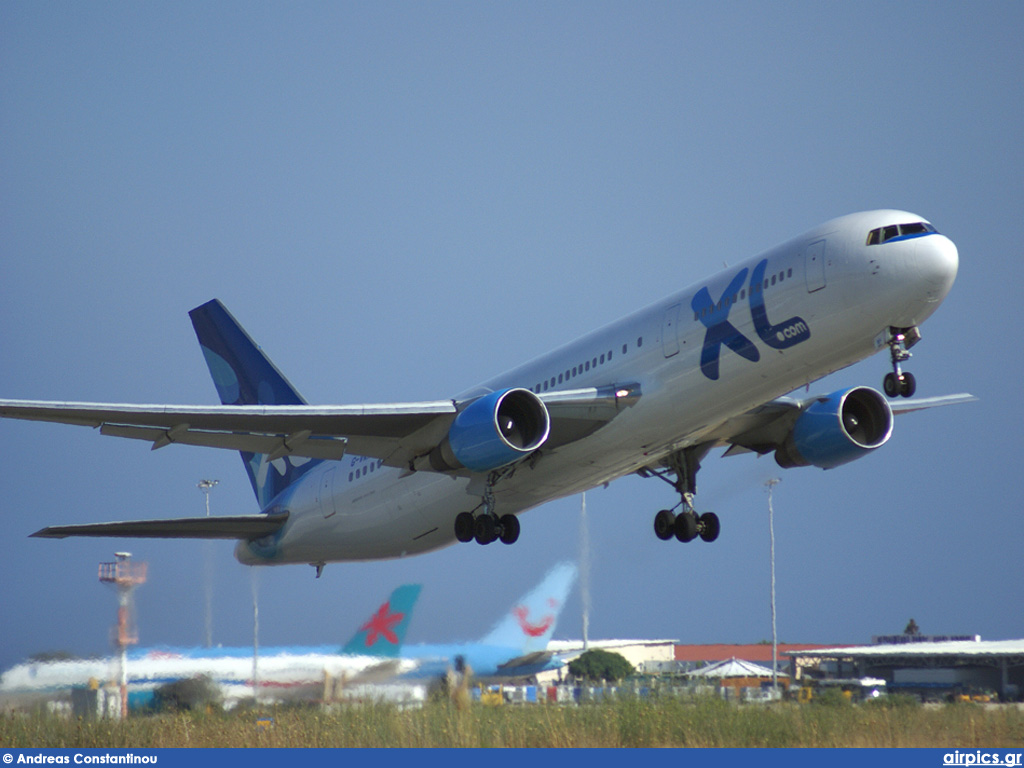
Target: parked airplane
(516,647)
(650,394)
(373,654)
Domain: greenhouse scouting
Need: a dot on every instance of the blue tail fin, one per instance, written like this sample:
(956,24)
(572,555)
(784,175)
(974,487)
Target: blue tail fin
(244,375)
(384,633)
(531,622)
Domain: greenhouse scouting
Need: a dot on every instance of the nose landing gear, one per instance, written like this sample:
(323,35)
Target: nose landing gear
(900,382)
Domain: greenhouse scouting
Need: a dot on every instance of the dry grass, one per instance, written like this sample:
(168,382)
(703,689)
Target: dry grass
(630,723)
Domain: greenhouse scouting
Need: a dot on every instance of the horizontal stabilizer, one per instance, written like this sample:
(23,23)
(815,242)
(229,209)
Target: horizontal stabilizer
(235,527)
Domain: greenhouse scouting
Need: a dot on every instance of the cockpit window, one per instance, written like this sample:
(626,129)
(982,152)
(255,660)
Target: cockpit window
(900,232)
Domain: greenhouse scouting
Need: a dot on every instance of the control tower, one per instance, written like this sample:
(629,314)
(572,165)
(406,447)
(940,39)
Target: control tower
(125,574)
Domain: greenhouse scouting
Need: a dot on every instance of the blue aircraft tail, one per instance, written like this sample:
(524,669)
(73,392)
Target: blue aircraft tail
(531,622)
(384,632)
(244,375)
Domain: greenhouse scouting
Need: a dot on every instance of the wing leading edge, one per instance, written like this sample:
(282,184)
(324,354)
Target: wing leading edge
(233,527)
(764,429)
(396,433)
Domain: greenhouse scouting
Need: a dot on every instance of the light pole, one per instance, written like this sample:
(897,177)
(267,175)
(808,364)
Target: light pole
(770,484)
(206,486)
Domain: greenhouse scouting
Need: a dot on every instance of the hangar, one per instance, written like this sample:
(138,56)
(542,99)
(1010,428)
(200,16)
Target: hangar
(930,670)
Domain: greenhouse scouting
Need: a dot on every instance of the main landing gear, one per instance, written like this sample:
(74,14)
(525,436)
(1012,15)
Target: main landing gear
(900,382)
(487,526)
(688,524)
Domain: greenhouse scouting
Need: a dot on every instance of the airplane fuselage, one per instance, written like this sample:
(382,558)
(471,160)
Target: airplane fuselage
(703,355)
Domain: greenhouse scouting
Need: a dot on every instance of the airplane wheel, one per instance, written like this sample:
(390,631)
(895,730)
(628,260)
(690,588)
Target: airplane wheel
(891,385)
(686,527)
(709,526)
(486,529)
(509,529)
(465,526)
(909,385)
(664,525)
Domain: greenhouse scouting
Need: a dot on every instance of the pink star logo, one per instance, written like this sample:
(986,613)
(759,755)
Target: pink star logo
(382,623)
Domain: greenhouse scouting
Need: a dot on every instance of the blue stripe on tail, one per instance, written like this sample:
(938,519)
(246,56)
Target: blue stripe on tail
(244,375)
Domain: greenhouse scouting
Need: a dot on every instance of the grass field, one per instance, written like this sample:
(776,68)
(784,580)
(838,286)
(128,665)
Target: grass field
(633,723)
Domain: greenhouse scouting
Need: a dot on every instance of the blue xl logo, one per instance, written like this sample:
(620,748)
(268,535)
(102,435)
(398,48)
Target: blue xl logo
(715,318)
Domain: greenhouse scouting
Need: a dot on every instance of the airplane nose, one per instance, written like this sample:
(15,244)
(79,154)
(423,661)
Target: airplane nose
(937,264)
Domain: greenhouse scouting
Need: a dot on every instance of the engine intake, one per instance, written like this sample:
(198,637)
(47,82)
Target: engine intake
(493,431)
(837,429)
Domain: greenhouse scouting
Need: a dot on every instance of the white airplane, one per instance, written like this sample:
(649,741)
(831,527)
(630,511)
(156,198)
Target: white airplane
(374,654)
(650,394)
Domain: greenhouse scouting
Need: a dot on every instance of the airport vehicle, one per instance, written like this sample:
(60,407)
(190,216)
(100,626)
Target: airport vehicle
(851,689)
(373,654)
(651,394)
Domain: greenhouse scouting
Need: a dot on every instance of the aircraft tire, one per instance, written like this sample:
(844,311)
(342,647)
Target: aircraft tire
(709,526)
(486,529)
(465,527)
(664,525)
(909,385)
(686,527)
(891,385)
(509,529)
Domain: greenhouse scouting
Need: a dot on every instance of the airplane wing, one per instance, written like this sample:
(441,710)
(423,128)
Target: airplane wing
(395,433)
(234,527)
(764,428)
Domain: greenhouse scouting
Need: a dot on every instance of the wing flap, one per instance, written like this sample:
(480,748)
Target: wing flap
(277,446)
(394,432)
(228,527)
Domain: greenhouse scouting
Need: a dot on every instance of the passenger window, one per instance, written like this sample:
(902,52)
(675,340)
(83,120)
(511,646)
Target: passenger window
(602,359)
(640,342)
(773,279)
(789,272)
(624,346)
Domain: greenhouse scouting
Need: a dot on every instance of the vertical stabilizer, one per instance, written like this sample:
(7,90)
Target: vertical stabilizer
(531,622)
(384,632)
(244,375)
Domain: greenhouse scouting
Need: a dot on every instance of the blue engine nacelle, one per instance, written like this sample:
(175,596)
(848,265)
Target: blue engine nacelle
(837,429)
(493,431)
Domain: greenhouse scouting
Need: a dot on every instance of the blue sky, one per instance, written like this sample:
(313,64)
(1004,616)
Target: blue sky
(399,200)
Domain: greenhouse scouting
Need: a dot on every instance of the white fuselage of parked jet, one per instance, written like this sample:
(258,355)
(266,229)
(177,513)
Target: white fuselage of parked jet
(839,295)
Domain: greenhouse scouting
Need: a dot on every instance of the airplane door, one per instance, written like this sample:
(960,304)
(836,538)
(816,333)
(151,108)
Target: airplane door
(814,266)
(327,493)
(670,331)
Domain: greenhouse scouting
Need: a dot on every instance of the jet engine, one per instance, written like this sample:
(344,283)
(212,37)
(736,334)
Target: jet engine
(837,429)
(493,431)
